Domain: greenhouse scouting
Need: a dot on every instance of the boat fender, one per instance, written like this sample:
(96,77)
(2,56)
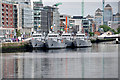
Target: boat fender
(62,41)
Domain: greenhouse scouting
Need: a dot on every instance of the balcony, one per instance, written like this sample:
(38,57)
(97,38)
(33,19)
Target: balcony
(3,16)
(37,15)
(6,8)
(6,16)
(6,12)
(2,7)
(2,10)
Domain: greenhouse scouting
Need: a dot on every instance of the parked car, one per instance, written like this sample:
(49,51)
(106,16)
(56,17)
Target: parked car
(7,40)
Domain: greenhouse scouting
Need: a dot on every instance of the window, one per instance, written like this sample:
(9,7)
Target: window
(2,5)
(2,9)
(80,35)
(2,14)
(62,19)
(6,6)
(2,23)
(38,13)
(66,35)
(61,16)
(3,19)
(52,35)
(36,35)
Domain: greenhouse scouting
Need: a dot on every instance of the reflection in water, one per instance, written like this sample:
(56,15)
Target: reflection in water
(99,61)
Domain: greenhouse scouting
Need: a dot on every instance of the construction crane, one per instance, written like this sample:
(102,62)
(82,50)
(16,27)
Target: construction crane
(57,4)
(82,7)
(103,10)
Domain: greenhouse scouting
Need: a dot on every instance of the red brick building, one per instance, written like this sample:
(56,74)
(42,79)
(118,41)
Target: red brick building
(7,20)
(7,15)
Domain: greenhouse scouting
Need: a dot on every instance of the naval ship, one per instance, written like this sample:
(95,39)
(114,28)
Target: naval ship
(80,40)
(54,41)
(67,39)
(38,40)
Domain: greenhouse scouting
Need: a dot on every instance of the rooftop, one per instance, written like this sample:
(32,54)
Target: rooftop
(98,10)
(89,16)
(98,14)
(108,5)
(117,14)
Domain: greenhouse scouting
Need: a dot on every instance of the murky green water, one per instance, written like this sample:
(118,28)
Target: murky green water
(98,61)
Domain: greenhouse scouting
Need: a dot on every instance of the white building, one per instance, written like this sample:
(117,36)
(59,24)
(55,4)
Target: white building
(113,24)
(76,23)
(56,19)
(110,24)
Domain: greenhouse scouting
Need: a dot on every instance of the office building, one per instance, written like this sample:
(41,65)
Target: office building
(76,23)
(24,16)
(37,7)
(63,21)
(56,19)
(45,21)
(116,21)
(92,27)
(45,18)
(85,26)
(114,24)
(98,17)
(6,21)
(98,11)
(90,17)
(108,14)
(116,17)
(53,18)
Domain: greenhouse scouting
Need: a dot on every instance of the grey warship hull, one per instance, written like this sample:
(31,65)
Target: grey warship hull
(68,43)
(51,44)
(37,44)
(82,43)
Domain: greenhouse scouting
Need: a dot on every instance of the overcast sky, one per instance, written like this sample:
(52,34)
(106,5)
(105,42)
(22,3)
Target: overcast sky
(73,7)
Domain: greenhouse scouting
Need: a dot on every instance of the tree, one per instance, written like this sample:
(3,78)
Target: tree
(105,28)
(118,29)
(18,33)
(91,33)
(114,31)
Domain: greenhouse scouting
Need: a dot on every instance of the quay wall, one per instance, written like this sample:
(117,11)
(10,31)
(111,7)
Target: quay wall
(16,47)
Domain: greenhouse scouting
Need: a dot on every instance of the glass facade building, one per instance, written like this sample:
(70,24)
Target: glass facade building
(116,17)
(37,7)
(85,25)
(24,15)
(98,17)
(108,13)
(27,18)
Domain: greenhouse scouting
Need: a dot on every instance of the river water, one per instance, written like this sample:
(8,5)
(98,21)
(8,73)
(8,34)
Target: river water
(98,61)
